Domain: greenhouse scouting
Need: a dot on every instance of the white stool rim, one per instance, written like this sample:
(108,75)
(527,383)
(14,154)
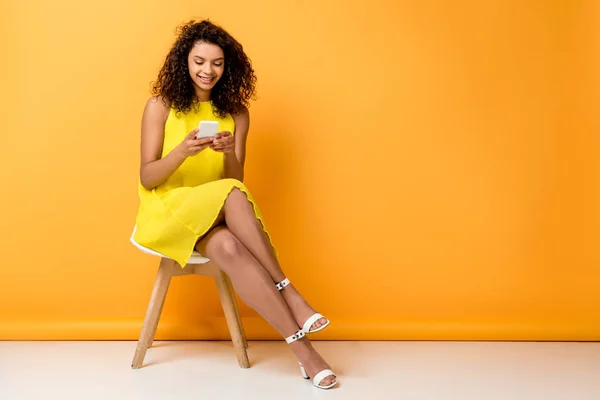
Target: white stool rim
(195,258)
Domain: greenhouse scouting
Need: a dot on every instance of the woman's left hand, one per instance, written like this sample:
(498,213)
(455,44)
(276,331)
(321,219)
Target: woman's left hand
(223,142)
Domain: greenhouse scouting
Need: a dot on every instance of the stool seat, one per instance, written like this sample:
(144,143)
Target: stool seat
(196,257)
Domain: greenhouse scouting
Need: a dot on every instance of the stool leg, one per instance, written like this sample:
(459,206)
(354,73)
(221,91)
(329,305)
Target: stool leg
(159,292)
(234,324)
(162,303)
(153,333)
(236,310)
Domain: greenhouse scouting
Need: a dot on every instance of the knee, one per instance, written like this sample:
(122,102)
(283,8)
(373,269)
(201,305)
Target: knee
(228,246)
(236,196)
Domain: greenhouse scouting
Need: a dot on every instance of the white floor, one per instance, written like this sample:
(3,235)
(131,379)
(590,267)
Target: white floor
(367,370)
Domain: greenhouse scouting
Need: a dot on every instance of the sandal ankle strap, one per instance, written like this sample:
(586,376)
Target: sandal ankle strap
(282,284)
(296,336)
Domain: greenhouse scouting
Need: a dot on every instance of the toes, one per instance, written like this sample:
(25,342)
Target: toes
(328,380)
(318,324)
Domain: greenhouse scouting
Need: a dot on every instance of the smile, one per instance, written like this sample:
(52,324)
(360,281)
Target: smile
(204,79)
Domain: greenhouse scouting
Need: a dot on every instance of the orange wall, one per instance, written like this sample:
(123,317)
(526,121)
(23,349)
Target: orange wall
(428,169)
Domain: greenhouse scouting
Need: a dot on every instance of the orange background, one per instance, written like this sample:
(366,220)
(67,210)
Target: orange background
(428,169)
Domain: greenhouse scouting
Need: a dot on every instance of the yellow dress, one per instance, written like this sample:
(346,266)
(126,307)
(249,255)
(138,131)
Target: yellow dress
(174,215)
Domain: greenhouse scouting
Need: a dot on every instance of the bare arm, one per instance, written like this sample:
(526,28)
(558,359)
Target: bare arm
(234,161)
(155,170)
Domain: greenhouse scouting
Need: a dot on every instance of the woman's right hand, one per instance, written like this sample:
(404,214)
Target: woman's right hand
(192,146)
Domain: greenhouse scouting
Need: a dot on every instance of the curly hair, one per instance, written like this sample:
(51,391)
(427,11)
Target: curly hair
(231,93)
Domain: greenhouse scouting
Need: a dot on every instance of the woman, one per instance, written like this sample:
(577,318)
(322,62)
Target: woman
(191,190)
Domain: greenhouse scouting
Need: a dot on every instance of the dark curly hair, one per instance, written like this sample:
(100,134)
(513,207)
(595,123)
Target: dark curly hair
(231,93)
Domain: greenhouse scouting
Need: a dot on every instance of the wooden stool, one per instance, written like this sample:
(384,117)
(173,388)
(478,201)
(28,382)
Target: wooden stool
(197,265)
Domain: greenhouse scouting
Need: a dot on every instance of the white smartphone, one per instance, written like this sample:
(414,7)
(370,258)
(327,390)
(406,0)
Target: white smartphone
(207,129)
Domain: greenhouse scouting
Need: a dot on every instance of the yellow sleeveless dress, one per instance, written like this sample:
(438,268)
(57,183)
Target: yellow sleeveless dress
(173,216)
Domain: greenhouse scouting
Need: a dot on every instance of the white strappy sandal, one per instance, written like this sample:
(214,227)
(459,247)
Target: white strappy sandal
(321,374)
(312,319)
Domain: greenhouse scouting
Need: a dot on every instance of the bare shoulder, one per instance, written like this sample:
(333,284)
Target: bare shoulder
(157,108)
(242,115)
(242,120)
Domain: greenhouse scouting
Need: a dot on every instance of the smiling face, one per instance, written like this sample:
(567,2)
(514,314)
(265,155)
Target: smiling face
(206,63)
